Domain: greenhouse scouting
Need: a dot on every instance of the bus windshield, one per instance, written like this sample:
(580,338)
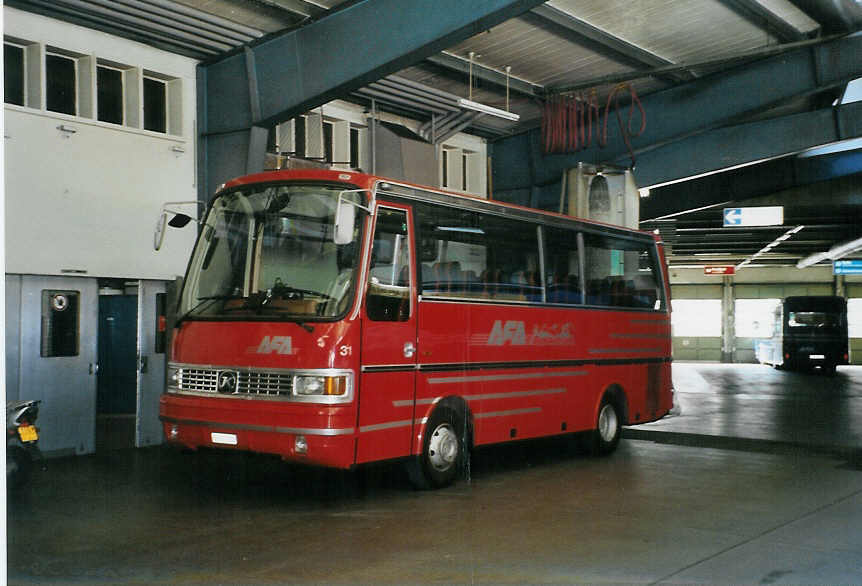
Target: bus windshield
(267,251)
(813,319)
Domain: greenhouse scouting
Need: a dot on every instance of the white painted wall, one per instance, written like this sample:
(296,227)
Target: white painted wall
(88,201)
(476,147)
(760,275)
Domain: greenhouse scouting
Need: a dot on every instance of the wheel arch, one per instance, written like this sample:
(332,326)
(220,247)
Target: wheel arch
(457,405)
(614,392)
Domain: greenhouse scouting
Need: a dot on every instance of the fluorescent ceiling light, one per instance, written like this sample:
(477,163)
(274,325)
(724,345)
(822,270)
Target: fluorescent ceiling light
(485,109)
(460,229)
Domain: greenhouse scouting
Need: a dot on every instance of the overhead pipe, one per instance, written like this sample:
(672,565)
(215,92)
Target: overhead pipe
(421,87)
(431,129)
(385,85)
(834,253)
(461,122)
(449,100)
(388,97)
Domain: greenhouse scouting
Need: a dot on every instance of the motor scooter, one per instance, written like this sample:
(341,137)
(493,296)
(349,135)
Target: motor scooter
(22,442)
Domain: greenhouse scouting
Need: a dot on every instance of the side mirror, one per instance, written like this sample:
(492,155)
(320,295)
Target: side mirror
(345,222)
(179,220)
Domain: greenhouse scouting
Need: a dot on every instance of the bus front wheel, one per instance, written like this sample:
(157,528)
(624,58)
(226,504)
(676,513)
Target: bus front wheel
(443,451)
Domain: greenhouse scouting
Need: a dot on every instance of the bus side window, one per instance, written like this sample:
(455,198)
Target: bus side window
(388,297)
(562,266)
(622,273)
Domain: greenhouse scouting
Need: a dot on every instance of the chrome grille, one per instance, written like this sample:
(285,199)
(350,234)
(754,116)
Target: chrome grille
(198,379)
(265,383)
(250,383)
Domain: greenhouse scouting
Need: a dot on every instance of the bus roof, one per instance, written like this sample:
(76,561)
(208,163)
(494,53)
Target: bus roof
(402,189)
(815,303)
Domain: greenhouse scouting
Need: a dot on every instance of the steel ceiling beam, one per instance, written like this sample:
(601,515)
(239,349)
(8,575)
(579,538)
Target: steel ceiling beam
(712,104)
(787,179)
(741,144)
(294,7)
(583,33)
(294,71)
(833,16)
(757,14)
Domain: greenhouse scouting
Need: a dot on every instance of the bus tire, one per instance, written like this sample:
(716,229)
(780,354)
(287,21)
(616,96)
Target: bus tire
(443,451)
(604,438)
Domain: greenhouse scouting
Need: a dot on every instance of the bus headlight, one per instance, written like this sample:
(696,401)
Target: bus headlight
(330,386)
(173,377)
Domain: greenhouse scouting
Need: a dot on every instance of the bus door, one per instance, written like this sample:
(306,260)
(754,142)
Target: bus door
(388,350)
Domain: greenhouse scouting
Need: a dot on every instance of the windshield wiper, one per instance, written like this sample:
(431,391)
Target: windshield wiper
(282,291)
(204,301)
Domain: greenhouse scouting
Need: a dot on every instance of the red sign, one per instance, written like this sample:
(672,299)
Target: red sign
(719,270)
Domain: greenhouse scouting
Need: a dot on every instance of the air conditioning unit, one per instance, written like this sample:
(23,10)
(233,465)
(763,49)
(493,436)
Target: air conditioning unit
(601,193)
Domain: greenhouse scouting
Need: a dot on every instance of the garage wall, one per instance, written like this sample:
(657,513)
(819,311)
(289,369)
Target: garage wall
(687,347)
(82,195)
(744,346)
(757,283)
(854,292)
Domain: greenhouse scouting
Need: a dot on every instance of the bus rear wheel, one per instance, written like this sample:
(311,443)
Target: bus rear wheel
(604,438)
(443,452)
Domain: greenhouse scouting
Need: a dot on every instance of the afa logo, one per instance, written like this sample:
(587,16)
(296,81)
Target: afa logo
(512,332)
(277,344)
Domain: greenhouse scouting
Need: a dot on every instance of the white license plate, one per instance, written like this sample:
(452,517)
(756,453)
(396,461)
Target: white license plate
(817,356)
(228,439)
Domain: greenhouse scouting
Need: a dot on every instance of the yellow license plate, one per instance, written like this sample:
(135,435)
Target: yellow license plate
(28,433)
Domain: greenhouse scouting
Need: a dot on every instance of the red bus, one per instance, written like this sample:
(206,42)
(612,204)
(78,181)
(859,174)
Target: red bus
(337,318)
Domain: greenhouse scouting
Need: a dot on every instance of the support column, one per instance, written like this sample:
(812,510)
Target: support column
(728,328)
(839,286)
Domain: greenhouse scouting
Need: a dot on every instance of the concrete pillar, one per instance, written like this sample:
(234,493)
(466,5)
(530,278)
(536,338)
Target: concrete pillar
(839,286)
(728,330)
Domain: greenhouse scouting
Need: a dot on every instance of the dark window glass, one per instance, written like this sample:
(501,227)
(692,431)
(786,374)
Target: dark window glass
(562,266)
(272,140)
(622,273)
(109,83)
(59,323)
(467,254)
(300,137)
(13,74)
(463,172)
(161,324)
(327,142)
(389,278)
(60,80)
(354,148)
(155,105)
(445,168)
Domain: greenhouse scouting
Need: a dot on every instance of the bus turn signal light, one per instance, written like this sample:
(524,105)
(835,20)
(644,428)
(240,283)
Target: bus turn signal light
(333,386)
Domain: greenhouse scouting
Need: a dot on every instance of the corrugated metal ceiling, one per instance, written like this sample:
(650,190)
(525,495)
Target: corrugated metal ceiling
(560,45)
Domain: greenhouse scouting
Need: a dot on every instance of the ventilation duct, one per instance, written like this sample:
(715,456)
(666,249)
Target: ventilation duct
(601,193)
(398,153)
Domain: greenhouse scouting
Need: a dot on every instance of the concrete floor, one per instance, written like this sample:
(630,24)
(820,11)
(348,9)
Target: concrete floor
(731,490)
